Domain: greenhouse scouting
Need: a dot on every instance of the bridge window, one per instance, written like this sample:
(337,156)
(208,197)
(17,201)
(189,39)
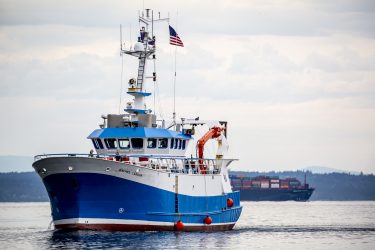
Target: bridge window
(95,143)
(163,143)
(151,143)
(111,143)
(124,143)
(175,143)
(100,143)
(137,142)
(172,142)
(179,144)
(183,144)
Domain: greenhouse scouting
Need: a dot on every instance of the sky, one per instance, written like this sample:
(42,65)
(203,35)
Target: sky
(294,79)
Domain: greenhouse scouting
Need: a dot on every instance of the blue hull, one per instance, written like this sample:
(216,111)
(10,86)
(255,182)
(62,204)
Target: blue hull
(100,196)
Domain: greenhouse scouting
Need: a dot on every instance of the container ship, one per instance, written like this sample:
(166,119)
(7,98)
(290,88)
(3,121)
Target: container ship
(139,178)
(266,188)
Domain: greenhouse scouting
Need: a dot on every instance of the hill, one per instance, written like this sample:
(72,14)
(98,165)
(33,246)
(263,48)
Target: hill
(326,170)
(21,187)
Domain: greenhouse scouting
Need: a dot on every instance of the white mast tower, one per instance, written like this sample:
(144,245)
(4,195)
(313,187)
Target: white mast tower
(144,49)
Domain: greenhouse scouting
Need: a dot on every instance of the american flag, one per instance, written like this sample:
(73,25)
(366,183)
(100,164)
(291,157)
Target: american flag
(174,39)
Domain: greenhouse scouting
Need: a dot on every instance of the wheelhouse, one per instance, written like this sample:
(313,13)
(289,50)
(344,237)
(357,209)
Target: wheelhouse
(141,140)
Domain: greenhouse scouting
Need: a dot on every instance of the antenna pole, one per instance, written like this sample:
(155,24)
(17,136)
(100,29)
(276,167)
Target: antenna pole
(130,36)
(122,72)
(152,23)
(120,38)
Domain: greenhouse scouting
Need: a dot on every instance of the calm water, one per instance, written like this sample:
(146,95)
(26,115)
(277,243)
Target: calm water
(264,225)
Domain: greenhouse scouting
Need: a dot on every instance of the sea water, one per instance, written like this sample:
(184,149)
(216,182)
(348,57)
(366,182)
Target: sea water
(262,225)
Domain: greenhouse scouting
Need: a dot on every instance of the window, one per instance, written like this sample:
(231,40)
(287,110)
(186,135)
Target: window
(95,143)
(175,143)
(137,142)
(179,144)
(183,144)
(100,143)
(151,143)
(172,141)
(124,143)
(110,143)
(163,143)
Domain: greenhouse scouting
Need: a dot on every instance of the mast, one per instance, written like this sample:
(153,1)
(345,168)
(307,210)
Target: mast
(144,49)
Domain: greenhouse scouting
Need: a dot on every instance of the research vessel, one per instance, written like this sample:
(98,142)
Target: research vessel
(139,177)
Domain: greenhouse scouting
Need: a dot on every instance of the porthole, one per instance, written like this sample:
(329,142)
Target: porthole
(107,169)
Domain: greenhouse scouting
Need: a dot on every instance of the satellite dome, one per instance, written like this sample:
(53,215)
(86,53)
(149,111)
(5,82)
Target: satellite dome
(139,47)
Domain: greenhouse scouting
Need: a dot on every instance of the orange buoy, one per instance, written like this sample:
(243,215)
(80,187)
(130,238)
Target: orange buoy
(230,202)
(179,225)
(207,220)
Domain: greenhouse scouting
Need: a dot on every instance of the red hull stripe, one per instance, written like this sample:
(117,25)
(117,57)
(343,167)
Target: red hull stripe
(129,227)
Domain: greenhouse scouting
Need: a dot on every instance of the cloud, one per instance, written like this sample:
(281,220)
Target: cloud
(67,12)
(257,17)
(294,79)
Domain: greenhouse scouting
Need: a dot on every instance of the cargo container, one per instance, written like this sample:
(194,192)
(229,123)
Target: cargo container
(266,188)
(264,184)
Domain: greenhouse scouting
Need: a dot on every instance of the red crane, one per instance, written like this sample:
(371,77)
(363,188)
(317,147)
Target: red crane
(213,133)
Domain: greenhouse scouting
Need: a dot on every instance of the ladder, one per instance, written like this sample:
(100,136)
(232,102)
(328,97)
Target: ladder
(176,195)
(141,70)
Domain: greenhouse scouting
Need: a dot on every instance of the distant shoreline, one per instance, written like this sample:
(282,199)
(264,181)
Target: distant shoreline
(28,187)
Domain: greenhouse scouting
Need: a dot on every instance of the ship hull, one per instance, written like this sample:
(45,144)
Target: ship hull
(90,193)
(276,194)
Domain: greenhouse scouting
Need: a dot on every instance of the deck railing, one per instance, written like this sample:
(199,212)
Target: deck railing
(173,164)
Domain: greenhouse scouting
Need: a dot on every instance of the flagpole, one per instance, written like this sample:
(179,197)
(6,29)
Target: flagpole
(175,75)
(174,84)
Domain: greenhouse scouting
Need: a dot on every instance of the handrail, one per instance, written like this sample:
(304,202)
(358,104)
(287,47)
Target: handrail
(37,157)
(171,164)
